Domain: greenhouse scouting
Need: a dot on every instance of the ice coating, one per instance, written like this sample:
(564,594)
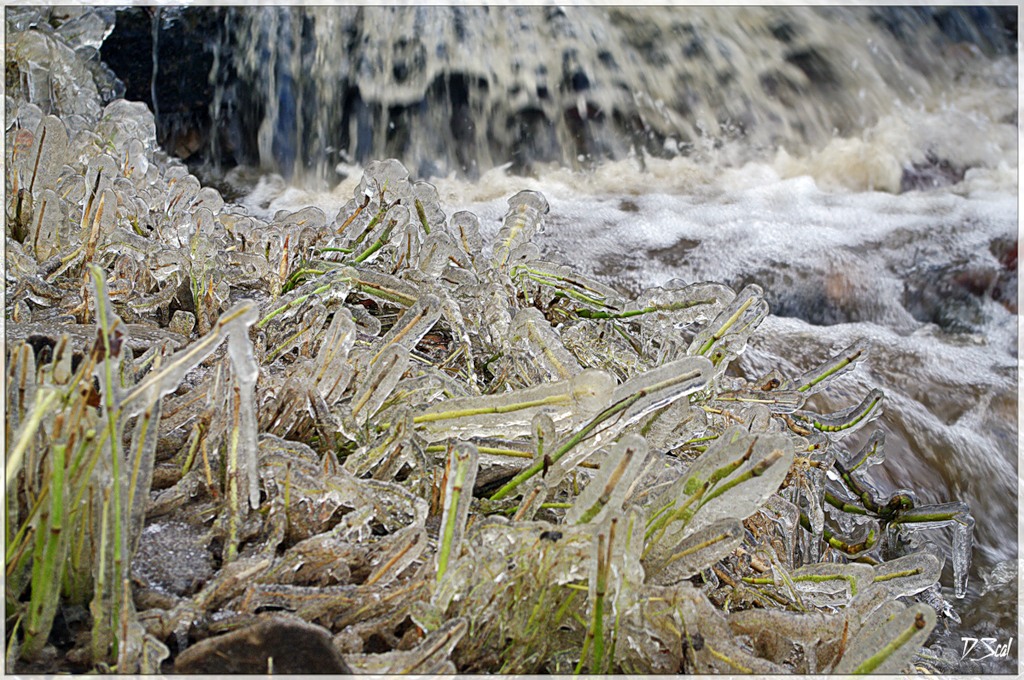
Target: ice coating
(846,421)
(813,638)
(461,470)
(605,493)
(888,647)
(333,372)
(511,414)
(680,305)
(48,154)
(831,584)
(663,385)
(526,211)
(532,332)
(908,575)
(542,435)
(819,378)
(539,279)
(414,324)
(697,552)
(223,257)
(378,382)
(726,336)
(748,487)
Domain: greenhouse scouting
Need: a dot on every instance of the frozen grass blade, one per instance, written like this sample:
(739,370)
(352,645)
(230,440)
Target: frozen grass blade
(112,557)
(848,420)
(461,471)
(47,560)
(45,401)
(889,647)
(511,414)
(526,210)
(818,378)
(607,490)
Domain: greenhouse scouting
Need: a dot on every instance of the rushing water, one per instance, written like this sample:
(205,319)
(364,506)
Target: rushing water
(861,166)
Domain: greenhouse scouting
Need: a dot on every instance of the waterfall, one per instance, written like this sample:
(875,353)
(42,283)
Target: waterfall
(462,89)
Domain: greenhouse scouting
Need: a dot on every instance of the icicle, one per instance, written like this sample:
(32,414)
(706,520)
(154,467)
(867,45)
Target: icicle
(245,370)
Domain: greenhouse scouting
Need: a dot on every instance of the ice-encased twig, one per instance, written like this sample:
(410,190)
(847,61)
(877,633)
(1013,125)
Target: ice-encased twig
(409,545)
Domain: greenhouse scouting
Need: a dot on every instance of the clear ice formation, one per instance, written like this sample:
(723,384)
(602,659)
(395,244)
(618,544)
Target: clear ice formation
(540,472)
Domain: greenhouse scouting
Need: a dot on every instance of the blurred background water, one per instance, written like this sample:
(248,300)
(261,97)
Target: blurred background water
(860,163)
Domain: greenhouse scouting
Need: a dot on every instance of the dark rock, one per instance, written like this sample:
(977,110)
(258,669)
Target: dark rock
(952,295)
(181,87)
(293,645)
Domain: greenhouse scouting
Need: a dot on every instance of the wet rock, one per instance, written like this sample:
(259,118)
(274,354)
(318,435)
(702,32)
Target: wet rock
(933,173)
(953,295)
(1005,289)
(274,645)
(942,295)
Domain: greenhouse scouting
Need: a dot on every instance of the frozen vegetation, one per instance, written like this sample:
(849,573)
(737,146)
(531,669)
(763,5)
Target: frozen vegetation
(375,432)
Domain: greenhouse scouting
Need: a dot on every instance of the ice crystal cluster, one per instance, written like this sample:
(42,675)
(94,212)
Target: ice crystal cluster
(443,454)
